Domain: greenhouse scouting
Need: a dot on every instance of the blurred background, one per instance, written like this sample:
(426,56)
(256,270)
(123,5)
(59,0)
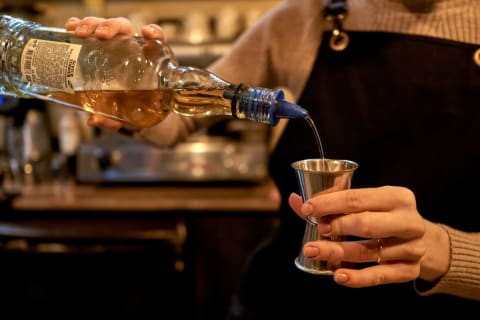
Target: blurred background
(95,222)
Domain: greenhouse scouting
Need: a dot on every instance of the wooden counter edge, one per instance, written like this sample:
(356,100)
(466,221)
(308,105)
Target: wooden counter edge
(262,197)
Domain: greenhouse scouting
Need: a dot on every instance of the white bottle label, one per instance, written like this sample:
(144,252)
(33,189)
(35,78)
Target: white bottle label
(50,63)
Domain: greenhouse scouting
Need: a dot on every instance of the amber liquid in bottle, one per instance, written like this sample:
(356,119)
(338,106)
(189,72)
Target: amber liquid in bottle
(146,108)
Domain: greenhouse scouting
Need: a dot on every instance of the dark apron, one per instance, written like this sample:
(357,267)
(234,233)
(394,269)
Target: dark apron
(407,109)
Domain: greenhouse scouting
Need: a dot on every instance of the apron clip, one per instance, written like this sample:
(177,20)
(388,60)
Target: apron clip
(335,12)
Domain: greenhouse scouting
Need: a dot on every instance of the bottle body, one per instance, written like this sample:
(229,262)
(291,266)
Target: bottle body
(86,74)
(130,79)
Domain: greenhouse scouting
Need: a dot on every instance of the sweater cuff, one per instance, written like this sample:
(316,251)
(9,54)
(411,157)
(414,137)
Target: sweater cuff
(463,276)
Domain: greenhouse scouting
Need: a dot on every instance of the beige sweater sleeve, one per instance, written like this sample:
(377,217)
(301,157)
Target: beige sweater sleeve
(463,276)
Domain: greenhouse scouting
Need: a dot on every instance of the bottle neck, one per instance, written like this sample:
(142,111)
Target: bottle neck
(190,78)
(262,105)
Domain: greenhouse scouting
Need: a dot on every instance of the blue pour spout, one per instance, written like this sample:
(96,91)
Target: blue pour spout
(289,110)
(263,105)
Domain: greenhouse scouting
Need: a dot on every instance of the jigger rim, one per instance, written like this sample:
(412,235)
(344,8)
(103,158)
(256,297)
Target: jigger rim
(305,165)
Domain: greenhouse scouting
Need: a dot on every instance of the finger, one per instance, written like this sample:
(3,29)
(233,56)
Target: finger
(153,31)
(85,27)
(110,27)
(395,249)
(295,201)
(72,23)
(361,251)
(350,251)
(358,200)
(377,275)
(100,27)
(368,224)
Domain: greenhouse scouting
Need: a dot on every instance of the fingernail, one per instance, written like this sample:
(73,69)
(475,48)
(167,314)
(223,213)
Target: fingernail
(340,277)
(311,252)
(307,209)
(152,29)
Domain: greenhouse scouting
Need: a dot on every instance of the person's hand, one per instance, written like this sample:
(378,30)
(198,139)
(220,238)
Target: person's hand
(107,28)
(402,245)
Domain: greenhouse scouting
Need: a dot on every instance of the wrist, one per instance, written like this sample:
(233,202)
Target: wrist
(436,260)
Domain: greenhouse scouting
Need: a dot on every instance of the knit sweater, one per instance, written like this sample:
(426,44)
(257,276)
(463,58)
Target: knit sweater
(280,49)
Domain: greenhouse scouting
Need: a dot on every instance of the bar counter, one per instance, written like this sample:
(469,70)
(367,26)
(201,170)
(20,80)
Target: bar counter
(260,197)
(188,243)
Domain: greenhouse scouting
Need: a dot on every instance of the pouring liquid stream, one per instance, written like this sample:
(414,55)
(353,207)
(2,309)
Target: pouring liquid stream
(316,135)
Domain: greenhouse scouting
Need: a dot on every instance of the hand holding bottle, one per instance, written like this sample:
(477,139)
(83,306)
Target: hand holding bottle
(105,29)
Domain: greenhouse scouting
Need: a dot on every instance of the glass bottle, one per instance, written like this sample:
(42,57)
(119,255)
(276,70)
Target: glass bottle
(127,78)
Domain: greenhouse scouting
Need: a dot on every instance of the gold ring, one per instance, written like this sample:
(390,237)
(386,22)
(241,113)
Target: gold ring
(379,250)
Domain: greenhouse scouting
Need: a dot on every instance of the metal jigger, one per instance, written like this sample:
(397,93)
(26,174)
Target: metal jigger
(315,176)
